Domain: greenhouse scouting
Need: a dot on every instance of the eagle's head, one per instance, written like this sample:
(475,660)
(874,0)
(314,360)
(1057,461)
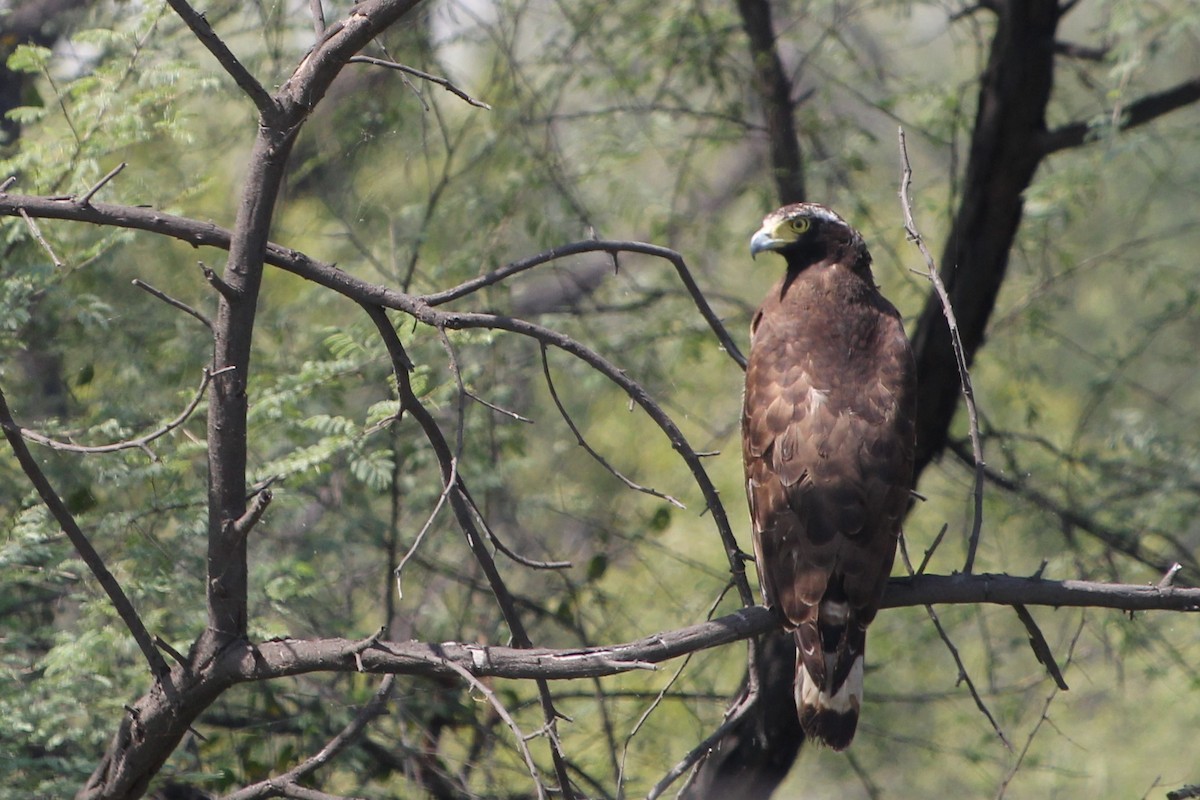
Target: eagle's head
(808,233)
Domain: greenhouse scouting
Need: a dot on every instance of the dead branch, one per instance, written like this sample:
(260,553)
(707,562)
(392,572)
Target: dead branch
(960,355)
(272,787)
(141,442)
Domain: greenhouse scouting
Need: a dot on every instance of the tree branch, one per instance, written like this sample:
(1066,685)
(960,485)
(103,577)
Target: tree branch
(774,91)
(272,787)
(288,657)
(1139,112)
(199,26)
(120,601)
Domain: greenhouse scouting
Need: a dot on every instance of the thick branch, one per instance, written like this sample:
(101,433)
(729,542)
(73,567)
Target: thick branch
(1005,152)
(277,659)
(774,91)
(1139,112)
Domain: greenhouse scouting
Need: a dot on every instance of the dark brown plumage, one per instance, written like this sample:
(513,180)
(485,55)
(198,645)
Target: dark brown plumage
(827,442)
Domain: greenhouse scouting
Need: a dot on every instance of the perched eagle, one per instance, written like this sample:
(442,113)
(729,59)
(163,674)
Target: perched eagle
(827,441)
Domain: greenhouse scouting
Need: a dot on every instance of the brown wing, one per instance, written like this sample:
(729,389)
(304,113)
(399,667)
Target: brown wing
(827,445)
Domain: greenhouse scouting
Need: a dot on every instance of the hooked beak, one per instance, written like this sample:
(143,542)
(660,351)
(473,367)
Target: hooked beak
(763,240)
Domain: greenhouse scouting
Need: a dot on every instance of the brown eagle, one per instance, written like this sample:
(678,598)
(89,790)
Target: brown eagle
(827,441)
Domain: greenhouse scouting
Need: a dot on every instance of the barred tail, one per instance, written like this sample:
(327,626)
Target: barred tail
(830,714)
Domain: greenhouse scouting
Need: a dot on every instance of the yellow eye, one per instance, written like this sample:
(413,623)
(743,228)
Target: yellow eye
(799,225)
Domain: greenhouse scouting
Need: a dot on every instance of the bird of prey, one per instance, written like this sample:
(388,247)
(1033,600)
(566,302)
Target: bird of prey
(828,423)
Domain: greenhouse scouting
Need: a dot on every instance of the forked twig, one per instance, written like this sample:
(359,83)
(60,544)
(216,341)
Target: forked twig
(964,376)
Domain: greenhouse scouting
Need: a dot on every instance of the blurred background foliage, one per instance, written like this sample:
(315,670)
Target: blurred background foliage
(631,120)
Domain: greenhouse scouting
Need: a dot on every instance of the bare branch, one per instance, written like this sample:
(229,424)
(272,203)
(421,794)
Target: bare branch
(583,442)
(171,301)
(37,234)
(141,442)
(600,246)
(425,76)
(98,185)
(482,688)
(248,83)
(1139,112)
(287,657)
(120,601)
(272,787)
(960,356)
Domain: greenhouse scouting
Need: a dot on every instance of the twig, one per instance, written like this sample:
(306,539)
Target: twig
(932,547)
(498,409)
(241,527)
(7,184)
(283,784)
(960,358)
(141,442)
(600,246)
(1061,686)
(248,83)
(98,185)
(1169,577)
(171,301)
(734,717)
(425,76)
(214,280)
(520,738)
(583,442)
(120,601)
(441,502)
(963,675)
(37,234)
(1041,648)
